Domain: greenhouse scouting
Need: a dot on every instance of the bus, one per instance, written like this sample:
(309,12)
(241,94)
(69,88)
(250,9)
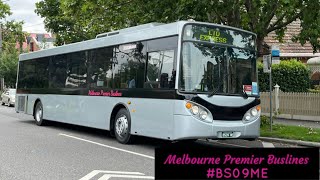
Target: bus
(179,81)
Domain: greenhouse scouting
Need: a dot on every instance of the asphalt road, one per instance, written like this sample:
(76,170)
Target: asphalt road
(61,151)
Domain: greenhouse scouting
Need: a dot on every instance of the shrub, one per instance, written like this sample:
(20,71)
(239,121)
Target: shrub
(317,87)
(290,75)
(265,121)
(263,78)
(313,90)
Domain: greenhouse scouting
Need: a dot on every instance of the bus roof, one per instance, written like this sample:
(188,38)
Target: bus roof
(122,36)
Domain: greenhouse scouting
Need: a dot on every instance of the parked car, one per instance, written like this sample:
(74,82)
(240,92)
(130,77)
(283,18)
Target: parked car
(8,97)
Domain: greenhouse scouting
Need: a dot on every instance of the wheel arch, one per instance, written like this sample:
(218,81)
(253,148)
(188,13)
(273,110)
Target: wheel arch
(34,105)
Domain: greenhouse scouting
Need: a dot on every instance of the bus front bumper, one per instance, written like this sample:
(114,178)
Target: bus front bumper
(188,127)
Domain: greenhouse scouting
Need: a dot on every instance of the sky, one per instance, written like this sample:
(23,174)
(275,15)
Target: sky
(23,10)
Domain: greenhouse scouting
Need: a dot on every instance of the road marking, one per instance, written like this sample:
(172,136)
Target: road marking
(267,144)
(216,141)
(109,174)
(111,147)
(231,144)
(96,172)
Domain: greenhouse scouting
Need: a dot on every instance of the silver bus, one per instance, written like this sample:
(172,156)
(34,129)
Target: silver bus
(185,80)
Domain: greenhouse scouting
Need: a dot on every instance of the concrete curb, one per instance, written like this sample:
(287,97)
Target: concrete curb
(297,120)
(288,141)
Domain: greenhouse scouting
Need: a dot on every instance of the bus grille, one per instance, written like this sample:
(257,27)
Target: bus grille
(21,103)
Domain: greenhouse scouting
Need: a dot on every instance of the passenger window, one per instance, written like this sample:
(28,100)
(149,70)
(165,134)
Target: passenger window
(161,72)
(58,72)
(77,70)
(129,72)
(101,67)
(29,74)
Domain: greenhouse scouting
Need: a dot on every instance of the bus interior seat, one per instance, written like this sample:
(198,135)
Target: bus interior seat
(151,84)
(164,80)
(124,85)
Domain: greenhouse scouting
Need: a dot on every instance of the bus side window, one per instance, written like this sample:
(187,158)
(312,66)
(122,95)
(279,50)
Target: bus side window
(160,70)
(76,70)
(58,71)
(130,68)
(100,67)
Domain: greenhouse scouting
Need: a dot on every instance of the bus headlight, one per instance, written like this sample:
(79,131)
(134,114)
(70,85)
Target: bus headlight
(195,110)
(252,114)
(203,115)
(247,117)
(199,111)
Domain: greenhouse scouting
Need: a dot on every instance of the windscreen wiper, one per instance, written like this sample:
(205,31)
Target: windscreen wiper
(244,94)
(219,85)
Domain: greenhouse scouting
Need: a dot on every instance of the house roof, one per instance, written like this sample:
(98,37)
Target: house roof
(288,47)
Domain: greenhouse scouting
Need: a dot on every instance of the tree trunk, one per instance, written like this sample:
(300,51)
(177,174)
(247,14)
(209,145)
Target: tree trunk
(262,48)
(21,47)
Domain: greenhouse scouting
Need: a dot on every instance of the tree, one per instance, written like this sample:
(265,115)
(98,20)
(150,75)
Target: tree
(11,34)
(8,66)
(76,20)
(4,10)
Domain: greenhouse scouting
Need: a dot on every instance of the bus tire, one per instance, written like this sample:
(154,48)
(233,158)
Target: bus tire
(38,114)
(122,126)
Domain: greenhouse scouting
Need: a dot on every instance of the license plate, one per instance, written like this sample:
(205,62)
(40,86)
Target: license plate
(227,134)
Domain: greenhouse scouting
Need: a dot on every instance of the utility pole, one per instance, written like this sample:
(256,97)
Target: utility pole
(270,90)
(267,66)
(2,79)
(275,59)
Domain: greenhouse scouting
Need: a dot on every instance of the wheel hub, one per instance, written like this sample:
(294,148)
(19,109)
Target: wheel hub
(122,126)
(39,114)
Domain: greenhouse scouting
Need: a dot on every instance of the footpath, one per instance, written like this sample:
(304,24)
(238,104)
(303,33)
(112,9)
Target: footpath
(301,123)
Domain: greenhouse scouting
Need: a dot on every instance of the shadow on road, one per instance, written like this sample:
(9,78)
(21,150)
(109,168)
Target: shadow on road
(145,141)
(98,133)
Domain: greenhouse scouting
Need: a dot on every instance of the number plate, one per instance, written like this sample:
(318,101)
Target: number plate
(227,134)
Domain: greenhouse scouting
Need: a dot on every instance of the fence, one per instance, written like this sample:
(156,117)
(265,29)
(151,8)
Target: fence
(292,105)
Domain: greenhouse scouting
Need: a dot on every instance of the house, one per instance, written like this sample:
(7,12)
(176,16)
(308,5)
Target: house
(290,49)
(294,50)
(37,41)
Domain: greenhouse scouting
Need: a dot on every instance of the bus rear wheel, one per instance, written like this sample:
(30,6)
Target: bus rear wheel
(122,126)
(38,114)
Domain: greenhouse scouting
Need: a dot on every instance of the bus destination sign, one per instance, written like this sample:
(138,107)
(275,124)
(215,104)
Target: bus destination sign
(219,35)
(214,36)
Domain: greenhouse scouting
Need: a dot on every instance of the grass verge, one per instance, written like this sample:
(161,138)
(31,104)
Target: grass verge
(290,132)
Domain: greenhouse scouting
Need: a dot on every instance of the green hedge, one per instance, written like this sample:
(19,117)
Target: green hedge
(290,75)
(316,89)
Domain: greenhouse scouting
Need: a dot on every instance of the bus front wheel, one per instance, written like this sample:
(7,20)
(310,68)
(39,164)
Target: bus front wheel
(38,114)
(122,126)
